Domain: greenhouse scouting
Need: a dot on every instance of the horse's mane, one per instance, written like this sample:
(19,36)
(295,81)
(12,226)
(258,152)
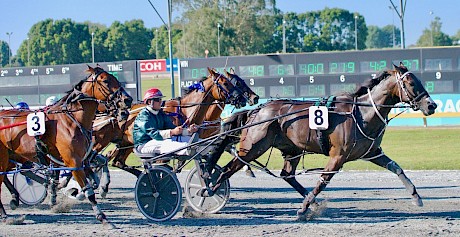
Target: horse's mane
(369,83)
(193,87)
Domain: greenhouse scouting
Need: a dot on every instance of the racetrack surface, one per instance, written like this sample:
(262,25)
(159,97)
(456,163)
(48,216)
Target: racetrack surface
(357,204)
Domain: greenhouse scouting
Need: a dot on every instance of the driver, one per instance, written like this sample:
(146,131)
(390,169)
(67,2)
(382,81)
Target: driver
(154,131)
(22,106)
(51,100)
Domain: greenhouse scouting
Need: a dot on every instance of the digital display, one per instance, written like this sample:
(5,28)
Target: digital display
(18,81)
(324,73)
(251,71)
(259,90)
(342,88)
(14,99)
(373,66)
(342,67)
(438,64)
(410,64)
(34,85)
(311,68)
(63,79)
(195,73)
(439,86)
(282,91)
(313,90)
(281,70)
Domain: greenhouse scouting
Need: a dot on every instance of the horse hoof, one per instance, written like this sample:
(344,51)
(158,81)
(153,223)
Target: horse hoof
(103,193)
(301,215)
(250,173)
(417,200)
(14,204)
(108,225)
(80,196)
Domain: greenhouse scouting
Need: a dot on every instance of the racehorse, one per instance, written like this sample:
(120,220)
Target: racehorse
(68,126)
(356,127)
(192,107)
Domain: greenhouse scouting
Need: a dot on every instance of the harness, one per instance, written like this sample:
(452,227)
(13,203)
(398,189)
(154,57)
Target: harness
(323,135)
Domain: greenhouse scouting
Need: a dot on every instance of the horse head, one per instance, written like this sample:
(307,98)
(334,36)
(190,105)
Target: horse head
(105,87)
(411,91)
(221,88)
(245,91)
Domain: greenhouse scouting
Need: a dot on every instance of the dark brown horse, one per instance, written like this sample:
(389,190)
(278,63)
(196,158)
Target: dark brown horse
(68,123)
(192,107)
(357,123)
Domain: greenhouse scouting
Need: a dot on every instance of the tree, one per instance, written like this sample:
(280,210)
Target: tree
(434,36)
(333,29)
(54,42)
(378,38)
(456,38)
(4,52)
(128,41)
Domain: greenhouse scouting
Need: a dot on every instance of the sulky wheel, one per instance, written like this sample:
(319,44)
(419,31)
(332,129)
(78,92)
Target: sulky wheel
(30,191)
(158,194)
(201,204)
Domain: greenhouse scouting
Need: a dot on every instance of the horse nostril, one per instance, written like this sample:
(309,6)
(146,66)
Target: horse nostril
(432,106)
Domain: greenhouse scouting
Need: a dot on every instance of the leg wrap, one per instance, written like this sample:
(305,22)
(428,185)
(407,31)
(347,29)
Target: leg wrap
(394,167)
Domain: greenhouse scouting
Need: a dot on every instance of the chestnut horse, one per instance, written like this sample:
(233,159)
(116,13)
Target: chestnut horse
(192,107)
(357,123)
(67,140)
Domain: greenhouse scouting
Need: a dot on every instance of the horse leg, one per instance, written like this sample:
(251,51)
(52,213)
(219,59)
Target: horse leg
(2,209)
(119,157)
(54,187)
(3,167)
(334,164)
(288,174)
(385,162)
(14,203)
(232,167)
(80,177)
(105,181)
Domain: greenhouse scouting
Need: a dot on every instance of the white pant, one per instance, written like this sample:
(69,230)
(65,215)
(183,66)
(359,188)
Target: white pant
(169,145)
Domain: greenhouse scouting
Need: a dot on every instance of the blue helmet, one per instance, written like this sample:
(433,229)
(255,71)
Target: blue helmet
(22,105)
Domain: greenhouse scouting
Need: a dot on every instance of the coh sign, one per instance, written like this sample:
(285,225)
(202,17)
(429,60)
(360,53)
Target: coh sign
(157,65)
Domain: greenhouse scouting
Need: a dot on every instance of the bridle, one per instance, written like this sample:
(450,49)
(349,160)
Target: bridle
(113,97)
(413,99)
(231,95)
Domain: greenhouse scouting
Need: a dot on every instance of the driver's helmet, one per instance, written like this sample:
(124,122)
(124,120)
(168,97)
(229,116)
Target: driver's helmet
(22,105)
(51,100)
(152,93)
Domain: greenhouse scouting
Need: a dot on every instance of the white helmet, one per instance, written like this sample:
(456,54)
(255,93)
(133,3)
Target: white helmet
(51,100)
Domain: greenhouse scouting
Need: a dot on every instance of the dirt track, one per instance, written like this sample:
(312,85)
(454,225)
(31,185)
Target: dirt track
(357,204)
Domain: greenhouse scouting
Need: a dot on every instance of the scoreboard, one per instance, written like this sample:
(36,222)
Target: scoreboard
(34,85)
(312,75)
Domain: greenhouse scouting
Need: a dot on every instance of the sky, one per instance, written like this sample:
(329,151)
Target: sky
(18,16)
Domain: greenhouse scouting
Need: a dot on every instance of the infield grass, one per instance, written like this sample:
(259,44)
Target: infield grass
(413,148)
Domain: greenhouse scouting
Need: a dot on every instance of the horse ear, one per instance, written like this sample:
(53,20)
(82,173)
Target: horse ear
(90,69)
(211,71)
(232,70)
(226,73)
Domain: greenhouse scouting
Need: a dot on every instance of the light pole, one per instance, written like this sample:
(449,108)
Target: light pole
(218,39)
(171,65)
(9,47)
(284,35)
(92,44)
(28,51)
(356,32)
(393,24)
(431,24)
(156,43)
